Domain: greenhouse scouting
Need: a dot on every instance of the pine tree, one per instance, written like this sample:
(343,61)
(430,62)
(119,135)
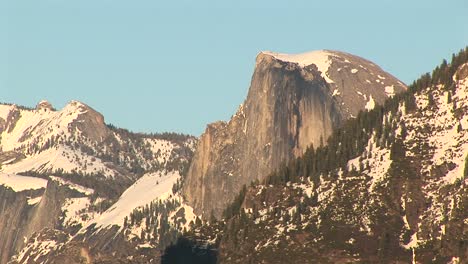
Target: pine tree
(404,131)
(430,98)
(198,222)
(397,151)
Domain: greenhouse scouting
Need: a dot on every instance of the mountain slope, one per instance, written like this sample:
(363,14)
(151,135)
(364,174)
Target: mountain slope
(293,101)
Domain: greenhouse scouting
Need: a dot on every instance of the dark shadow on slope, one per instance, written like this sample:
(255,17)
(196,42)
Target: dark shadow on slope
(186,251)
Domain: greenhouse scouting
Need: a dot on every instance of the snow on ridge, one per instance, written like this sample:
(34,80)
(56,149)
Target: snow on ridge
(321,58)
(20,183)
(71,185)
(73,105)
(33,201)
(39,124)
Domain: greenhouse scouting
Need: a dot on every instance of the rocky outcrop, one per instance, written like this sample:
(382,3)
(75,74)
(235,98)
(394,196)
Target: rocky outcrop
(293,101)
(89,122)
(44,106)
(13,117)
(13,215)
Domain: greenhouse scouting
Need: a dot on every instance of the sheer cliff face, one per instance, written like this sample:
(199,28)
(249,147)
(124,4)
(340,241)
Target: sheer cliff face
(294,101)
(21,216)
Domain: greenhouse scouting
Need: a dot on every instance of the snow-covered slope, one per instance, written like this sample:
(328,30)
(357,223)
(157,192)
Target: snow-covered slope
(37,126)
(150,187)
(75,139)
(60,158)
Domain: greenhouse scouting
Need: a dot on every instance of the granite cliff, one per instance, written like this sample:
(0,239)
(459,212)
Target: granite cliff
(293,101)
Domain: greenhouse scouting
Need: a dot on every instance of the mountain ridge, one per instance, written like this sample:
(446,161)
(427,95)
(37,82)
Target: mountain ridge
(84,167)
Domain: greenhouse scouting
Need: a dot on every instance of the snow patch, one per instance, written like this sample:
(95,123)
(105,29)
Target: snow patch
(370,104)
(390,91)
(33,201)
(320,58)
(20,183)
(5,110)
(413,242)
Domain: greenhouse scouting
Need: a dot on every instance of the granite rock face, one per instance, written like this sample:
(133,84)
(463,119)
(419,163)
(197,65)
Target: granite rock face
(293,101)
(19,218)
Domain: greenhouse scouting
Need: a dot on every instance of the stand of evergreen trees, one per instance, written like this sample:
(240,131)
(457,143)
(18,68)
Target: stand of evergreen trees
(155,219)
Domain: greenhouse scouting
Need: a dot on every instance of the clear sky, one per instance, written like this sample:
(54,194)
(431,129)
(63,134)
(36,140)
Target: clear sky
(154,66)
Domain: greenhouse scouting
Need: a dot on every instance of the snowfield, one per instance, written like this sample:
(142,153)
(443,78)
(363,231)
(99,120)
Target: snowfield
(20,183)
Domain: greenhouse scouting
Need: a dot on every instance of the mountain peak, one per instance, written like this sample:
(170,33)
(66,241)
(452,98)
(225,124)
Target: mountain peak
(351,79)
(294,101)
(44,105)
(76,104)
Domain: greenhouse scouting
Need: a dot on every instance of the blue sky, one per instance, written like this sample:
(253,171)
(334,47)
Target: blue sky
(154,66)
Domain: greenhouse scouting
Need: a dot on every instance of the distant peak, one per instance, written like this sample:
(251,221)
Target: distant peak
(44,105)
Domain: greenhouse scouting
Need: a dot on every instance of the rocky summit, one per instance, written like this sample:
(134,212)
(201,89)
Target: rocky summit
(294,101)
